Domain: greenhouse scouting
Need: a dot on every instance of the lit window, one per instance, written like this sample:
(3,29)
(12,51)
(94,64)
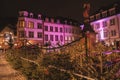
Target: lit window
(73,38)
(31,34)
(39,25)
(112,22)
(65,37)
(30,25)
(39,34)
(21,23)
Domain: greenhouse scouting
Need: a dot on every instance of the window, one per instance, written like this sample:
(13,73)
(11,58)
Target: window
(46,28)
(91,18)
(69,30)
(104,23)
(51,37)
(39,34)
(112,22)
(112,11)
(105,34)
(46,37)
(56,29)
(51,28)
(66,30)
(56,37)
(73,38)
(65,37)
(39,26)
(30,24)
(61,30)
(31,34)
(113,32)
(61,38)
(73,31)
(104,14)
(21,23)
(21,34)
(97,16)
(97,25)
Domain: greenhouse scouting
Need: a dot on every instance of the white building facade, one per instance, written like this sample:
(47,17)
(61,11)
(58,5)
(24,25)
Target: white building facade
(106,23)
(48,30)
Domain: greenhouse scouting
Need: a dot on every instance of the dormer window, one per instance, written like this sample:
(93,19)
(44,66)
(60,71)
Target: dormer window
(70,22)
(47,19)
(98,16)
(65,21)
(104,14)
(52,20)
(31,15)
(39,16)
(91,18)
(112,11)
(58,21)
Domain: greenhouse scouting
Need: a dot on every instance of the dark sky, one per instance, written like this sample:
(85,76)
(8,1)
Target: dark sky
(65,8)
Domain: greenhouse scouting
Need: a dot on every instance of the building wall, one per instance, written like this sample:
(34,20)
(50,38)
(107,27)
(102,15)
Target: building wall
(5,35)
(106,25)
(56,33)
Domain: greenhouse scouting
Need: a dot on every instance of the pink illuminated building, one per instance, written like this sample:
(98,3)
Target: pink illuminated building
(46,30)
(106,23)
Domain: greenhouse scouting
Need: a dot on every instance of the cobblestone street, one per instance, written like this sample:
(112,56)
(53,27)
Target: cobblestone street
(7,72)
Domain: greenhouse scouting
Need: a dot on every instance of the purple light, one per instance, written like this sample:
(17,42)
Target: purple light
(108,52)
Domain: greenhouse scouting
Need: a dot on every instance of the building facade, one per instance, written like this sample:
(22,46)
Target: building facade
(106,23)
(7,34)
(46,30)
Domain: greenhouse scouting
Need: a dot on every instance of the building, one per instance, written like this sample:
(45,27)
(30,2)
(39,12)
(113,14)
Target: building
(7,34)
(45,30)
(106,23)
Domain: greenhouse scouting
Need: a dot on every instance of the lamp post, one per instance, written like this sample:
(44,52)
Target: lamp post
(86,43)
(86,26)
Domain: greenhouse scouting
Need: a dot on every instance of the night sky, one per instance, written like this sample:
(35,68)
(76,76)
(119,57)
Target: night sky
(65,8)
